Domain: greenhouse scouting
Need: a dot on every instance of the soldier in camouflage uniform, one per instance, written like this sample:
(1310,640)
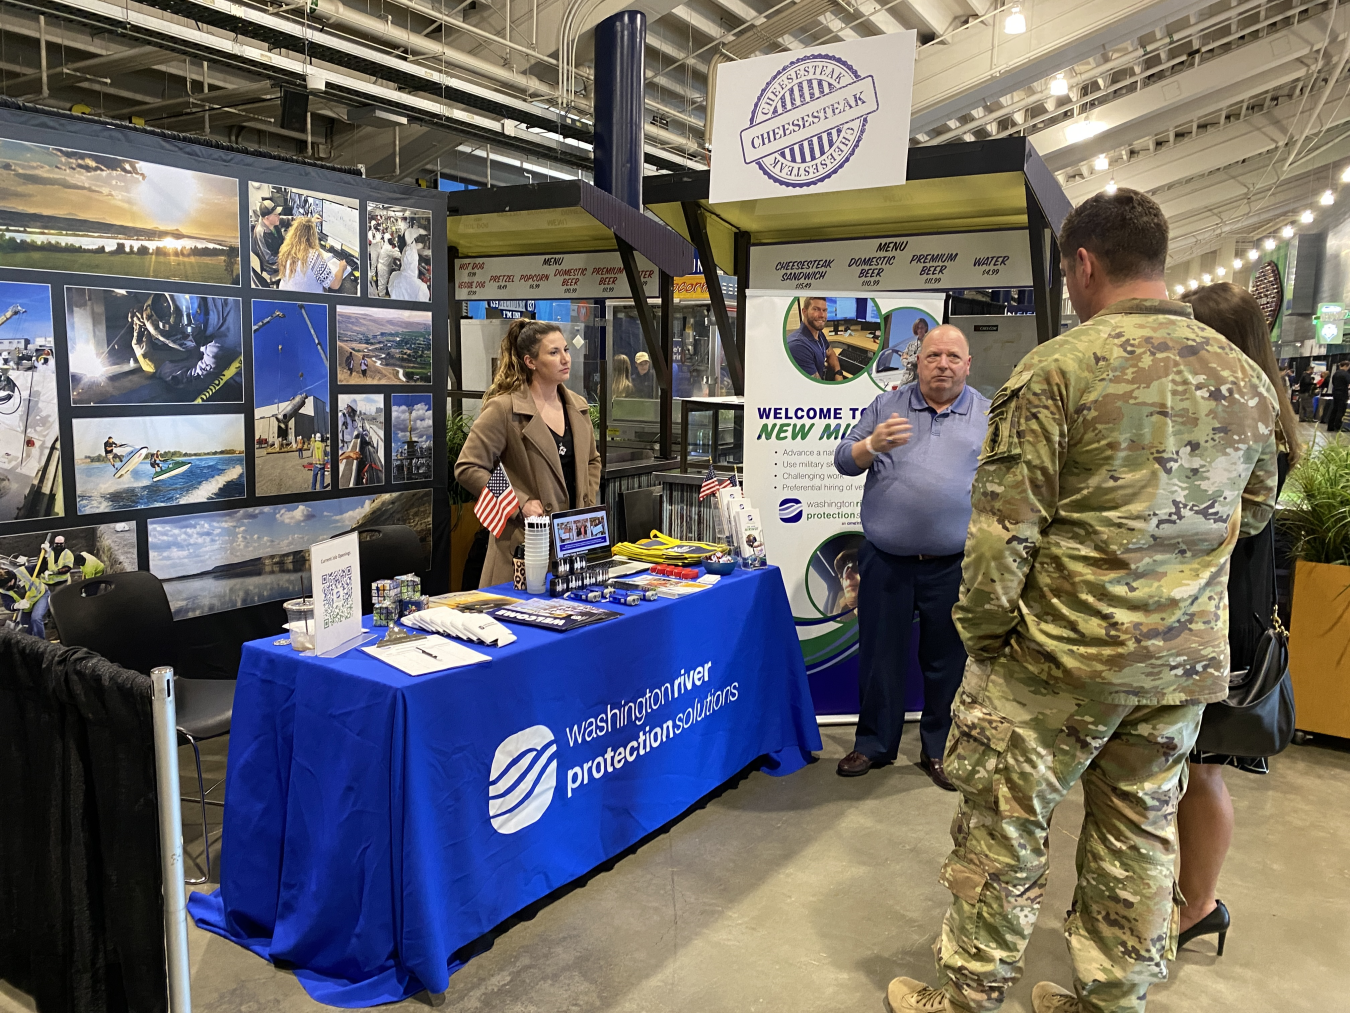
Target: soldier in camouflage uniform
(1123,460)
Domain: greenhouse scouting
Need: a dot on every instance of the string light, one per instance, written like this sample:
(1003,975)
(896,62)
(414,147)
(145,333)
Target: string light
(1179,289)
(1287,232)
(1268,243)
(1111,187)
(1192,284)
(1059,86)
(1328,198)
(1206,278)
(1307,217)
(1101,165)
(1237,263)
(1221,271)
(1253,253)
(1016,22)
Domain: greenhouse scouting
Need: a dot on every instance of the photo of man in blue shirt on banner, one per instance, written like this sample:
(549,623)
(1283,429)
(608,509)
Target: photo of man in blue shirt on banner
(808,346)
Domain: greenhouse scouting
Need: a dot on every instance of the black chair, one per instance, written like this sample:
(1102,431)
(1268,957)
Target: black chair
(126,618)
(387,551)
(641,513)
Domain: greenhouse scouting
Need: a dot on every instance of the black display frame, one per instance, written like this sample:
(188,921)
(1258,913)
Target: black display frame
(103,138)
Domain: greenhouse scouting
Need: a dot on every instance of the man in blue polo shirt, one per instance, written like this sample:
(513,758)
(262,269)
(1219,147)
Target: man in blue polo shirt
(807,344)
(919,445)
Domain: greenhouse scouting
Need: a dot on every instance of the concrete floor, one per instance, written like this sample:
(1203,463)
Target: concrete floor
(808,893)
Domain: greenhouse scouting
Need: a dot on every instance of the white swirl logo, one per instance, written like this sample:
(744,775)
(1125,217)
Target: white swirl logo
(809,120)
(520,786)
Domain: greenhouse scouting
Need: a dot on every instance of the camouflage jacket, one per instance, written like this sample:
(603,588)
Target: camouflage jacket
(1123,460)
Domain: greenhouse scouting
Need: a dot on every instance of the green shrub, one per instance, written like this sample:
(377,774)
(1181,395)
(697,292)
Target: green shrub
(1317,517)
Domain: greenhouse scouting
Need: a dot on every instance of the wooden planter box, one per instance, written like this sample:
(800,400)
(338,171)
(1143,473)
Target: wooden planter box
(1319,647)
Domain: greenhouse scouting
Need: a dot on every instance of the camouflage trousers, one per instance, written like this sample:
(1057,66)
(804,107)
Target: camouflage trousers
(1016,748)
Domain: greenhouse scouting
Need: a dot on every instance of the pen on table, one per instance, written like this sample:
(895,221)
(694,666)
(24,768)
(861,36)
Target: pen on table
(428,654)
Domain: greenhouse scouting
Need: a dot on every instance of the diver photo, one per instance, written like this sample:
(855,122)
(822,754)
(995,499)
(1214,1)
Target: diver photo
(410,423)
(399,259)
(153,347)
(302,241)
(136,219)
(379,344)
(30,455)
(290,397)
(157,460)
(360,460)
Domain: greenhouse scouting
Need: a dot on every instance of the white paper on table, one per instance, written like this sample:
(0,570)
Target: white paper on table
(335,576)
(429,654)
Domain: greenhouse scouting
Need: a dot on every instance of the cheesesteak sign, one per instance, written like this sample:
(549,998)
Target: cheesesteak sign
(895,264)
(550,276)
(800,124)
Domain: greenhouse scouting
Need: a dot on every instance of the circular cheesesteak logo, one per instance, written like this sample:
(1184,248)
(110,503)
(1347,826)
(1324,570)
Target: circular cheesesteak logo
(809,120)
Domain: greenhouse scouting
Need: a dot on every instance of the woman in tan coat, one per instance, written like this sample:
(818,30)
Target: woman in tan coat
(540,432)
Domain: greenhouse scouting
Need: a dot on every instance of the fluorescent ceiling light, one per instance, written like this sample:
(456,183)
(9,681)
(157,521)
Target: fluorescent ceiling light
(1083,130)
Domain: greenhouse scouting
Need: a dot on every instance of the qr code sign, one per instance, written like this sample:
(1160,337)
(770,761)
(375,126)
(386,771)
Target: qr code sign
(338,601)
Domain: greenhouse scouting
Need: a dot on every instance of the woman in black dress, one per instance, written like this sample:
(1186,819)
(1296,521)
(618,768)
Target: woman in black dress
(1205,816)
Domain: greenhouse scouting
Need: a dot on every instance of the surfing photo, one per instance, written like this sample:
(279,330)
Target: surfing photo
(303,241)
(135,219)
(30,453)
(290,397)
(383,345)
(360,440)
(157,460)
(153,347)
(399,253)
(410,423)
(211,562)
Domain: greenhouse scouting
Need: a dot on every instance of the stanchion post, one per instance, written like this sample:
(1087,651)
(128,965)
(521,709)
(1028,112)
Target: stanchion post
(171,840)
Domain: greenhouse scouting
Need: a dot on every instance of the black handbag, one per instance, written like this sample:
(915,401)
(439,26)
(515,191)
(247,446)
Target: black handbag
(1257,719)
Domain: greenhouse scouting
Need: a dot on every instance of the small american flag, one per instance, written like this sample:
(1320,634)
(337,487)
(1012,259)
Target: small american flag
(711,484)
(497,502)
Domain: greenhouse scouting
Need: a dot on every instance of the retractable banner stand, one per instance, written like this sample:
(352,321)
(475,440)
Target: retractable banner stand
(794,423)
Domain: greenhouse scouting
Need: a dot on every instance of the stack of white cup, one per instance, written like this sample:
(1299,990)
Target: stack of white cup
(536,554)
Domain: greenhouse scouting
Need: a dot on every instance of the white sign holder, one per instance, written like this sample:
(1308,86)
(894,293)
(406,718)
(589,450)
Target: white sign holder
(335,579)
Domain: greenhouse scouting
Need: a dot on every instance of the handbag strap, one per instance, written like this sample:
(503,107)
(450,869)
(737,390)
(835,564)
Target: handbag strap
(1276,624)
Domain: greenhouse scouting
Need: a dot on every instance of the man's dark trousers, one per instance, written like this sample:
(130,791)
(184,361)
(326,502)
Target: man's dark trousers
(891,590)
(1337,415)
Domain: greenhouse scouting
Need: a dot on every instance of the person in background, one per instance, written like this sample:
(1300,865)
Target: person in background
(538,430)
(266,241)
(644,380)
(1205,816)
(316,480)
(918,446)
(1122,461)
(350,362)
(807,344)
(1339,385)
(1307,385)
(621,377)
(23,593)
(386,254)
(365,365)
(302,265)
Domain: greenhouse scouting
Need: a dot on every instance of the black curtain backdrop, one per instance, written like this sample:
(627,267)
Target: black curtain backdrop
(81,909)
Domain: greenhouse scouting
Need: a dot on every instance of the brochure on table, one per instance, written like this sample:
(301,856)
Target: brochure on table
(810,512)
(335,576)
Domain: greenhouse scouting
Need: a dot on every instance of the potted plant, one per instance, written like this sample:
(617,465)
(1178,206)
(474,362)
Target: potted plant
(1317,520)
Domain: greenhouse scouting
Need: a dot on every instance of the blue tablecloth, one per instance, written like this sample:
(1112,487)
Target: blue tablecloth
(375,823)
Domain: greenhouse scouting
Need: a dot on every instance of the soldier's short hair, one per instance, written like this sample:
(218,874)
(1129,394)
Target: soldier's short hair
(1126,231)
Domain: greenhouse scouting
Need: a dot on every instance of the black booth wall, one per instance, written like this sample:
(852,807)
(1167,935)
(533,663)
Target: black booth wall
(86,153)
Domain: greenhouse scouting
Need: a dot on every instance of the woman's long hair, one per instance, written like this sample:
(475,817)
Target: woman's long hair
(1234,313)
(523,338)
(621,384)
(300,244)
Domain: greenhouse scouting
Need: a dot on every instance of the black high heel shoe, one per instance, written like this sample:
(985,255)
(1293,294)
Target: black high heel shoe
(1217,920)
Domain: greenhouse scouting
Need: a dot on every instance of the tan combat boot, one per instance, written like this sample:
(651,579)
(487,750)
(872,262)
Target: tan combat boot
(905,995)
(1047,997)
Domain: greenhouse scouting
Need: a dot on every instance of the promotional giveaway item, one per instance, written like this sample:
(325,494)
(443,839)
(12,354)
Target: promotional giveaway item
(536,554)
(482,629)
(472,601)
(335,575)
(559,614)
(661,548)
(815,120)
(811,513)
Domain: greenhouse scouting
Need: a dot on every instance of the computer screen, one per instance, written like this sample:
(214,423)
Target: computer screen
(577,531)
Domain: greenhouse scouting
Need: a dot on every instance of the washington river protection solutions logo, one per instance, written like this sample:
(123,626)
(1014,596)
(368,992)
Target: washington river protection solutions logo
(809,120)
(520,784)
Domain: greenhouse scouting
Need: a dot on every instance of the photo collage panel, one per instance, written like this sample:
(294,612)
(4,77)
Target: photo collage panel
(233,314)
